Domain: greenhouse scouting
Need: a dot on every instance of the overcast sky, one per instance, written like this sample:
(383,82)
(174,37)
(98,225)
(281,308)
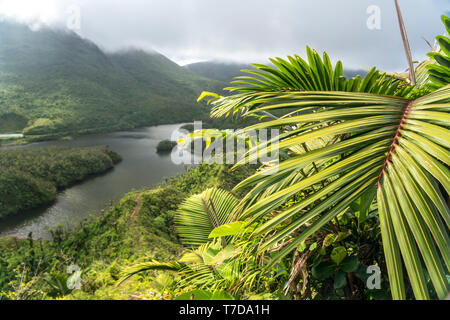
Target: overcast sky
(246,30)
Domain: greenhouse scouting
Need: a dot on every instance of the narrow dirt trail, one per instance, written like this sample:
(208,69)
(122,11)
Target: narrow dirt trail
(136,209)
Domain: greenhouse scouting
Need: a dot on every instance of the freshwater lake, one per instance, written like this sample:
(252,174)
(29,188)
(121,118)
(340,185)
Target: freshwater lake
(141,167)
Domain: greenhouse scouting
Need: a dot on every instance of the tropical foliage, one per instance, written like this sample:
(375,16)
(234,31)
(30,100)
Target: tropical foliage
(374,142)
(361,184)
(200,214)
(139,228)
(214,262)
(439,69)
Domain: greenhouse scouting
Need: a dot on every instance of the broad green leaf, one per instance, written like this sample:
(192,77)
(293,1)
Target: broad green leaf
(231,229)
(338,254)
(324,270)
(350,264)
(340,280)
(223,255)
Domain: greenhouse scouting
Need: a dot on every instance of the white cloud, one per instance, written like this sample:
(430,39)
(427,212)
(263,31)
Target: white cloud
(28,11)
(250,30)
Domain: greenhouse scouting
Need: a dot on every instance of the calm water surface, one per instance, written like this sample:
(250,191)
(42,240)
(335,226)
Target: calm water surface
(141,167)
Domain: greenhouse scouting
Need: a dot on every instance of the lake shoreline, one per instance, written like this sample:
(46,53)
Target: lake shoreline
(20,179)
(141,167)
(24,140)
(52,202)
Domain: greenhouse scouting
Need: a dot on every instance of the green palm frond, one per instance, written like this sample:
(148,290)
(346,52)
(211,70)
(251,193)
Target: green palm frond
(213,267)
(439,70)
(422,76)
(394,144)
(209,265)
(297,75)
(149,266)
(375,136)
(197,216)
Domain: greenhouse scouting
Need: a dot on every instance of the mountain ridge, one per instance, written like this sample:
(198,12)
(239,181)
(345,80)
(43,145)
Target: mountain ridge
(56,82)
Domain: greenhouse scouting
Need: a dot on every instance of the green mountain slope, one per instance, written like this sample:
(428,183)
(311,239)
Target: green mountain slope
(53,81)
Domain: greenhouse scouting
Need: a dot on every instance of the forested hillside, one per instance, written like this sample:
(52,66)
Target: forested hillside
(53,81)
(31,177)
(139,228)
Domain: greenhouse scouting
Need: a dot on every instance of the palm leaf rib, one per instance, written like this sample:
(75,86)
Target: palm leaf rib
(394,142)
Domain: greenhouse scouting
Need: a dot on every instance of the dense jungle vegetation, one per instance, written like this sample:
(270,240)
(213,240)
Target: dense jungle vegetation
(142,232)
(139,228)
(31,177)
(363,167)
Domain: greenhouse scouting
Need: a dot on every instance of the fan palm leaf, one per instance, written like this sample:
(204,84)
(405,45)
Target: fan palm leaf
(397,145)
(198,215)
(380,137)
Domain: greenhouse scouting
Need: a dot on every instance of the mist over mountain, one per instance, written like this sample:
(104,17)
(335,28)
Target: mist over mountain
(55,81)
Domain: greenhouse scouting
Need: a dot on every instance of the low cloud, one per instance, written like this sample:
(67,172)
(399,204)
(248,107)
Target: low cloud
(246,31)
